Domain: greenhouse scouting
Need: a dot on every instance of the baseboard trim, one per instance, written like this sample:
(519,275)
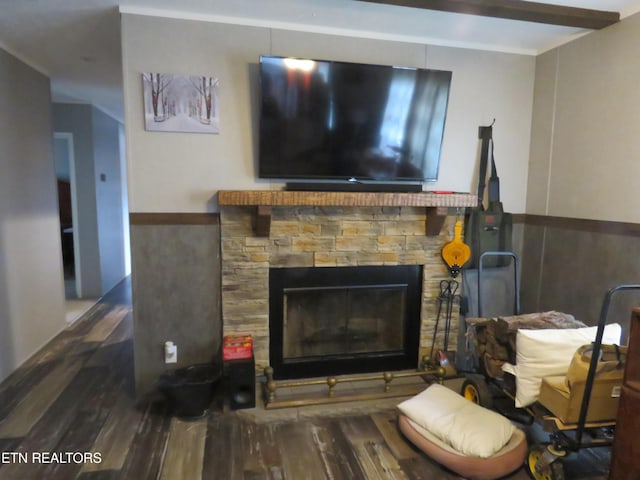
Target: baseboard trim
(172,218)
(582,224)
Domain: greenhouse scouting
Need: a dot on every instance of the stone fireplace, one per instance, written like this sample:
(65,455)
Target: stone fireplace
(267,232)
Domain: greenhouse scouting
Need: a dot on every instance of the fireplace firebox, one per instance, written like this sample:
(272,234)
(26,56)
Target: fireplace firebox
(337,320)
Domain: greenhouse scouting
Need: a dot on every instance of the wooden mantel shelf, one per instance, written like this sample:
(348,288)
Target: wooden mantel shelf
(273,198)
(437,204)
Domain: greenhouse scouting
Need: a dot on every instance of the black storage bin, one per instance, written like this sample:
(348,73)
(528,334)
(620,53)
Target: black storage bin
(189,390)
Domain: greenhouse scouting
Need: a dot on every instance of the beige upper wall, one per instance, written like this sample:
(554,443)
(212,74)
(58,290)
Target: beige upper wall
(585,143)
(541,133)
(487,86)
(179,172)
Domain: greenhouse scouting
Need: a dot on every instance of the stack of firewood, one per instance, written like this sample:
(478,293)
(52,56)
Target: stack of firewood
(495,338)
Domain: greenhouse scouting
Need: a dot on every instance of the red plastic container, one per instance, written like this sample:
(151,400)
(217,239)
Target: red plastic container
(235,347)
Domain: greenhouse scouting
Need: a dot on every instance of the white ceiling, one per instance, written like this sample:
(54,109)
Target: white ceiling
(77,42)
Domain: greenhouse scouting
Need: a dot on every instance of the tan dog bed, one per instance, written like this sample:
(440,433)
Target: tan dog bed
(503,462)
(470,440)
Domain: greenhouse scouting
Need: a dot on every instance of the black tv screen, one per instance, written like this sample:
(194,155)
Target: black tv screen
(348,121)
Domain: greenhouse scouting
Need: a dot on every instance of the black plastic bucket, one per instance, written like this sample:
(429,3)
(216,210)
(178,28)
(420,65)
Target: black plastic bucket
(189,390)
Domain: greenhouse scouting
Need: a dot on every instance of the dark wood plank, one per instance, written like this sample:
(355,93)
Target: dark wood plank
(267,448)
(224,448)
(20,383)
(301,457)
(123,332)
(115,437)
(387,423)
(81,433)
(517,10)
(33,407)
(51,428)
(62,344)
(8,445)
(83,325)
(360,429)
(108,355)
(147,448)
(107,324)
(100,475)
(336,452)
(185,448)
(372,451)
(423,468)
(260,447)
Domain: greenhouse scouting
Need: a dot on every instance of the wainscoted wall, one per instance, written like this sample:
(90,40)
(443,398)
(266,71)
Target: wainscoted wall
(176,290)
(584,165)
(569,264)
(566,264)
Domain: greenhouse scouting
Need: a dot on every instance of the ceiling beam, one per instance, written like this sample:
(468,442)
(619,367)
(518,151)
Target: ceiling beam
(517,10)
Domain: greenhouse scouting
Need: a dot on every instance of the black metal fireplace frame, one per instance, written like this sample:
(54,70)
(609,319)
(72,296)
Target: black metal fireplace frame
(361,276)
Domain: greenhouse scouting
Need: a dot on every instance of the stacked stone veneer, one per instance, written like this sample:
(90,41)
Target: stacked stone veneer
(323,237)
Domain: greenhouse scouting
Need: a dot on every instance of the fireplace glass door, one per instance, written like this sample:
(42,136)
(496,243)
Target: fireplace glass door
(343,321)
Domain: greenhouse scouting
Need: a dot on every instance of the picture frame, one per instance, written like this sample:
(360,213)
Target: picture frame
(181,103)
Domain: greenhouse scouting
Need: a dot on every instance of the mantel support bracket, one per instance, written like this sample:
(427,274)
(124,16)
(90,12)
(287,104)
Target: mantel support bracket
(435,220)
(262,224)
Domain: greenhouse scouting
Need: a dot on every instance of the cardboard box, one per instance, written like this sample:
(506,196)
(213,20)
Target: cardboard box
(236,347)
(565,404)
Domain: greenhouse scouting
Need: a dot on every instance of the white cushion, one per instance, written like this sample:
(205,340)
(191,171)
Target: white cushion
(469,428)
(432,438)
(547,352)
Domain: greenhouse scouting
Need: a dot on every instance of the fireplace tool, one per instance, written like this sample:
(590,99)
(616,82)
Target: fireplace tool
(446,299)
(455,254)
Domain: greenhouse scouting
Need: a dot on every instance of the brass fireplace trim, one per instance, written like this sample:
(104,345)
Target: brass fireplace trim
(271,386)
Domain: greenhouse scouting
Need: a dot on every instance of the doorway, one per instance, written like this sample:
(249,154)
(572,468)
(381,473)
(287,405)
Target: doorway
(64,159)
(67,206)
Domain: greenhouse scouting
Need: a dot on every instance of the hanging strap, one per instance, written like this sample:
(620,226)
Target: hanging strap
(484,133)
(494,181)
(486,150)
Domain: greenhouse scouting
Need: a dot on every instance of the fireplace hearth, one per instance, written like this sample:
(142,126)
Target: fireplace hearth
(338,320)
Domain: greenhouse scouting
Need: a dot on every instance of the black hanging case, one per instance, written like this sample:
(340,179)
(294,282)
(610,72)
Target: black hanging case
(490,229)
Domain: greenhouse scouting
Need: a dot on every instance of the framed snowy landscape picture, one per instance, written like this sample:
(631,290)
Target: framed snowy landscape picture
(180,103)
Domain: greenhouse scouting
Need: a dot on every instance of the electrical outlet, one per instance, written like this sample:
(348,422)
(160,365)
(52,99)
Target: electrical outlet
(170,352)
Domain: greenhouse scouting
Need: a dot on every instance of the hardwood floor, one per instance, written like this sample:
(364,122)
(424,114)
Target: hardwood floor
(74,399)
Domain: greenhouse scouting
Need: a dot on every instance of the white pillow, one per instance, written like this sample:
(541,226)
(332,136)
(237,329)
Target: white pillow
(469,428)
(547,352)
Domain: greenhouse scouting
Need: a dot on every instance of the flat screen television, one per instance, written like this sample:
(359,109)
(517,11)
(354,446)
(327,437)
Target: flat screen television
(350,122)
